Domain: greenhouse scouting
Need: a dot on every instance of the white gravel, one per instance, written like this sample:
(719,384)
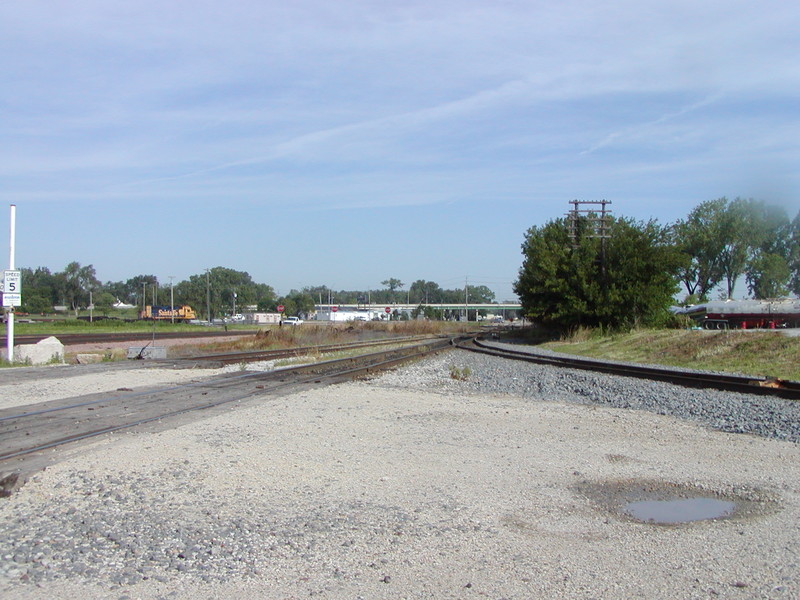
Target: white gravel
(412,485)
(19,393)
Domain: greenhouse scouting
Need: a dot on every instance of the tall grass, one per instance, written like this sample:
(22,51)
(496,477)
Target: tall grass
(316,334)
(763,353)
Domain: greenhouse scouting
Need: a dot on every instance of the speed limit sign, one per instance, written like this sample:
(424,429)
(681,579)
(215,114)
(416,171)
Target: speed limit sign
(12,288)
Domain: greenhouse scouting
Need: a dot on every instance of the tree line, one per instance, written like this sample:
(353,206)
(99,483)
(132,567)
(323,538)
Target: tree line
(215,292)
(631,272)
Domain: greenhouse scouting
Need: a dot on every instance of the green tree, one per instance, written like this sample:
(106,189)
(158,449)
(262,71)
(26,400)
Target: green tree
(770,234)
(297,303)
(393,285)
(104,302)
(768,276)
(565,286)
(137,290)
(74,283)
(36,301)
(425,292)
(39,290)
(793,254)
(480,294)
(213,292)
(740,237)
(701,238)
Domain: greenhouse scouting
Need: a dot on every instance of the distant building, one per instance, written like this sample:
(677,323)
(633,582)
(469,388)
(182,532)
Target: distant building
(348,315)
(264,318)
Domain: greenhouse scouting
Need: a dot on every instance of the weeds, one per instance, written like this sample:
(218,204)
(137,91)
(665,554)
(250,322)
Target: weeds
(460,373)
(749,352)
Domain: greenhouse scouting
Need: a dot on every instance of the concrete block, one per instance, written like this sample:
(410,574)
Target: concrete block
(149,352)
(48,350)
(88,359)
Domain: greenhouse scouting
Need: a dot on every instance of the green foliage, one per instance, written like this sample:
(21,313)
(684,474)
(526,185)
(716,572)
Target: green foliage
(768,276)
(723,240)
(460,373)
(36,301)
(631,281)
(793,254)
(213,292)
(297,303)
(700,238)
(750,352)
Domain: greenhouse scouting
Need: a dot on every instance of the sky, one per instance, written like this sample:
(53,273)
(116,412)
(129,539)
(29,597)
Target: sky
(345,143)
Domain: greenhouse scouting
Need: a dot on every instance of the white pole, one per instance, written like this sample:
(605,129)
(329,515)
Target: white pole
(11,257)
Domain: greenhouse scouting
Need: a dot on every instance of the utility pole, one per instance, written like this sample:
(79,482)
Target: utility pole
(466,299)
(598,226)
(171,299)
(208,299)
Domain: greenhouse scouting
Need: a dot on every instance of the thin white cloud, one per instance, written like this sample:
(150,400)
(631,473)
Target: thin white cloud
(640,130)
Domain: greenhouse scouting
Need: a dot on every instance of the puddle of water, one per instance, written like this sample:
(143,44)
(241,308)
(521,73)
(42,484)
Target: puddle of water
(683,510)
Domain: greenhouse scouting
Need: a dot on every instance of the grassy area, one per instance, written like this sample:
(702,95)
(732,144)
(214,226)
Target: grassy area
(761,353)
(107,326)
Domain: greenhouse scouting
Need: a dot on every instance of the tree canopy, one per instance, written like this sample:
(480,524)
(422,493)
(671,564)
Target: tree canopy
(627,279)
(724,240)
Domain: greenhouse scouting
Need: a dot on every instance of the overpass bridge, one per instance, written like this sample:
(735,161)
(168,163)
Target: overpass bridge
(412,306)
(407,307)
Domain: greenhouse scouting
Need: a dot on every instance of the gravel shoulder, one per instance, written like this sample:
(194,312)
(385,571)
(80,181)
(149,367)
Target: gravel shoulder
(414,485)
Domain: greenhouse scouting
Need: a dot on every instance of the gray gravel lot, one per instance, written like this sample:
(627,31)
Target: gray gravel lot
(416,485)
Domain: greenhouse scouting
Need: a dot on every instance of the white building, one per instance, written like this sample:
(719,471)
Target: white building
(348,315)
(264,318)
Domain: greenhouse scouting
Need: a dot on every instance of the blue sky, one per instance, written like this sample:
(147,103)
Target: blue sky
(343,143)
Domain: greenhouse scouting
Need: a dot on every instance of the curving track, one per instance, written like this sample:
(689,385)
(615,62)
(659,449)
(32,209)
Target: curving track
(721,381)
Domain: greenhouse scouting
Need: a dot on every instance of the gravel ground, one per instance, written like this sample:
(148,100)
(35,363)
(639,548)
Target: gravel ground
(509,484)
(66,381)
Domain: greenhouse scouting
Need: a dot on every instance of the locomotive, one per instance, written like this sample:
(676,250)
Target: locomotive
(183,313)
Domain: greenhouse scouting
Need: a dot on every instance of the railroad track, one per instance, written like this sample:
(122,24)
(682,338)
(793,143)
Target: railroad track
(228,358)
(72,339)
(27,432)
(734,383)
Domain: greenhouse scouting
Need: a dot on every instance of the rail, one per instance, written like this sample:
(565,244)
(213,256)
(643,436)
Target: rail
(28,431)
(697,379)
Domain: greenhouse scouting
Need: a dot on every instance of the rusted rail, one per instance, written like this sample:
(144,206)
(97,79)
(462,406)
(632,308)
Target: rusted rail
(697,379)
(228,358)
(72,339)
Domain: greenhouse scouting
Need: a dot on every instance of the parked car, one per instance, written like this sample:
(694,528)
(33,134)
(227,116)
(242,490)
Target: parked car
(292,321)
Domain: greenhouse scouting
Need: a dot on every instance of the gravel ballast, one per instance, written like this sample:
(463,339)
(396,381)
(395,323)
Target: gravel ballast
(416,485)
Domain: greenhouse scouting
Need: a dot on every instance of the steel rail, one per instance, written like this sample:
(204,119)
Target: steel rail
(234,358)
(71,339)
(733,383)
(268,383)
(272,354)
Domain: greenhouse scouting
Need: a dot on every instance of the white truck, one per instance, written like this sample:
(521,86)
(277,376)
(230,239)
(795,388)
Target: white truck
(292,321)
